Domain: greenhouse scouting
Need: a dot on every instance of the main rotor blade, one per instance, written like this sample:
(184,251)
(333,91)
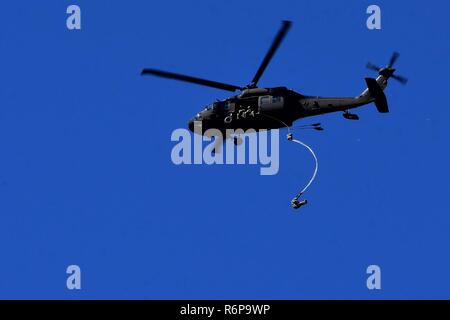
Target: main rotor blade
(394,58)
(275,44)
(373,67)
(400,79)
(181,77)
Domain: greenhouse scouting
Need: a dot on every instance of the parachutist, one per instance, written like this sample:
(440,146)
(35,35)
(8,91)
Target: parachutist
(295,203)
(290,136)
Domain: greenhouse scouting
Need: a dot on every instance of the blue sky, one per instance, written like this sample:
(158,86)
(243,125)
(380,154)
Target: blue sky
(86,176)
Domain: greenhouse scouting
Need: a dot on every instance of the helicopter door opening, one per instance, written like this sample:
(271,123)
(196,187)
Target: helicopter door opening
(270,103)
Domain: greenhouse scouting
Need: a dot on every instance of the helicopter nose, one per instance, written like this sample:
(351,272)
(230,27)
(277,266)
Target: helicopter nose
(191,125)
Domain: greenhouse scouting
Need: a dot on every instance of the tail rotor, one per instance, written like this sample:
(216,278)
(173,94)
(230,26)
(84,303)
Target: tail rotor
(388,71)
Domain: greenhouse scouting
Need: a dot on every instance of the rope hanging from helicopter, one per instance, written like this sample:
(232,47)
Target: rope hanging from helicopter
(295,203)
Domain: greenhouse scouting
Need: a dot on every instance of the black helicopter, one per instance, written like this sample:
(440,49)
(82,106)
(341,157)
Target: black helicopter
(270,108)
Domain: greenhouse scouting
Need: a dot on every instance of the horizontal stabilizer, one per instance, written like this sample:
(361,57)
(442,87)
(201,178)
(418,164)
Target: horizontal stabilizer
(377,93)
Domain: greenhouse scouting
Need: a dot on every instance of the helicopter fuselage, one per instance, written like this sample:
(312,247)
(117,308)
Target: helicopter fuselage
(269,108)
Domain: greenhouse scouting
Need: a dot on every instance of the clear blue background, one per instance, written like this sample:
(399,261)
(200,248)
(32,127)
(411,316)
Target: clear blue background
(86,176)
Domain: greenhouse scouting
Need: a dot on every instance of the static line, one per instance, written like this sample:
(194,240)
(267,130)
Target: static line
(295,203)
(315,170)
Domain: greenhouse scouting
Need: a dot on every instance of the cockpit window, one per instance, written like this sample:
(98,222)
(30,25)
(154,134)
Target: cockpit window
(229,105)
(218,105)
(215,106)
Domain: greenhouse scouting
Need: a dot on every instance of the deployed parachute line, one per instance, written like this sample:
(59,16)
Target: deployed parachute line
(296,202)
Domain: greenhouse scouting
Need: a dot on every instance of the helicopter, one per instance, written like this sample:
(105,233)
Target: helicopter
(261,108)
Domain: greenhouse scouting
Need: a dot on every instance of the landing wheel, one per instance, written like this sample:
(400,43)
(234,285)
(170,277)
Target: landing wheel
(237,141)
(350,116)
